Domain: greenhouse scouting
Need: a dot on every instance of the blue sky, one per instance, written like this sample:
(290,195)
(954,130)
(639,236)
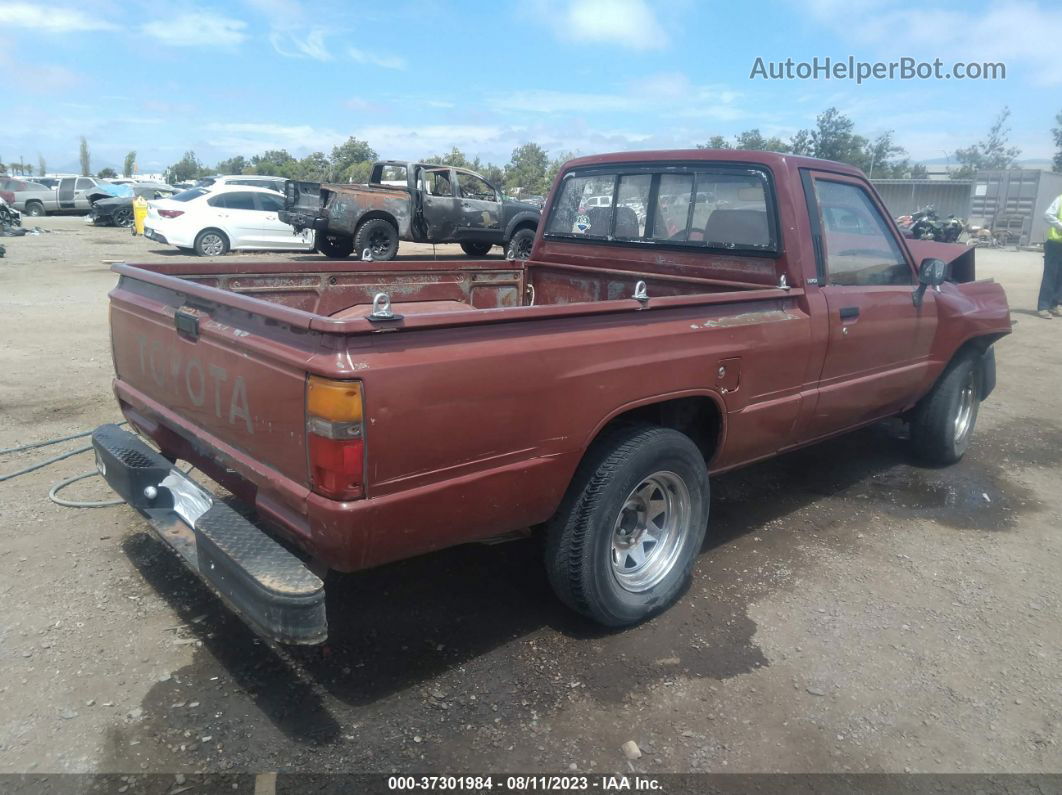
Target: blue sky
(415,77)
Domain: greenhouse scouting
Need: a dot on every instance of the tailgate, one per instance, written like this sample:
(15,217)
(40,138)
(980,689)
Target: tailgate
(224,374)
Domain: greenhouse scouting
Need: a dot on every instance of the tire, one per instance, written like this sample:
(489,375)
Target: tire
(34,209)
(211,243)
(476,249)
(123,216)
(521,243)
(943,421)
(335,246)
(590,560)
(379,236)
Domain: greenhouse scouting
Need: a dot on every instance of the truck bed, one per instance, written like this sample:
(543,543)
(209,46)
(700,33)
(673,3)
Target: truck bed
(337,297)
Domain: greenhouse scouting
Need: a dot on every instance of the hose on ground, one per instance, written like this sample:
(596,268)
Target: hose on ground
(54,491)
(62,484)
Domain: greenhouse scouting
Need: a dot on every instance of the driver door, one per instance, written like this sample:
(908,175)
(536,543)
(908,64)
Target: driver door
(878,345)
(480,209)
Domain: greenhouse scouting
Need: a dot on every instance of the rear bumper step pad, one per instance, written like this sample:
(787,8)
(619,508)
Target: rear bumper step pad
(271,589)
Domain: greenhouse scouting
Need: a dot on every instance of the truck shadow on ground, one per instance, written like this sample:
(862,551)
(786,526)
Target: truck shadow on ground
(485,614)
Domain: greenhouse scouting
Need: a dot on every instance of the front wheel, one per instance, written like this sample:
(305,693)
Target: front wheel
(944,420)
(123,216)
(378,236)
(623,543)
(476,249)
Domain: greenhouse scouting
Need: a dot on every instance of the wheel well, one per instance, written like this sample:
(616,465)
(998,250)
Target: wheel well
(523,225)
(373,215)
(697,417)
(202,232)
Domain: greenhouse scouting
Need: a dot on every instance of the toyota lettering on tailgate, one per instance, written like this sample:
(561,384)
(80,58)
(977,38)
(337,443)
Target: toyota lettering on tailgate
(203,385)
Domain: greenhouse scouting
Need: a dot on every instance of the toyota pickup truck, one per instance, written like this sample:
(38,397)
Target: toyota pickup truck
(722,308)
(421,202)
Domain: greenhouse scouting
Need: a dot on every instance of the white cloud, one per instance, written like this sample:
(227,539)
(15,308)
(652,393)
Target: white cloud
(312,45)
(383,61)
(669,93)
(255,136)
(197,29)
(50,20)
(628,23)
(1013,31)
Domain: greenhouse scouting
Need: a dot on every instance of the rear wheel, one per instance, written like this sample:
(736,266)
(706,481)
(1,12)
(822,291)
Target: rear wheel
(378,236)
(34,209)
(623,543)
(476,249)
(211,243)
(944,420)
(335,246)
(521,243)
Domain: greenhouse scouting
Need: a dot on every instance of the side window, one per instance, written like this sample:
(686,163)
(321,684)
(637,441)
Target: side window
(632,202)
(579,210)
(860,249)
(393,175)
(437,183)
(268,203)
(472,187)
(671,219)
(84,184)
(234,201)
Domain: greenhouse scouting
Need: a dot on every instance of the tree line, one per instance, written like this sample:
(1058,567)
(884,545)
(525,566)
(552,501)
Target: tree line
(530,169)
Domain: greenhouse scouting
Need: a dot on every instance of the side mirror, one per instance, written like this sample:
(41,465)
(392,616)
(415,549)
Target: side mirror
(932,272)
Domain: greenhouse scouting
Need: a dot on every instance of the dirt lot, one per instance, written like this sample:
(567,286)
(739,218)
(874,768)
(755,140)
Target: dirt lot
(850,611)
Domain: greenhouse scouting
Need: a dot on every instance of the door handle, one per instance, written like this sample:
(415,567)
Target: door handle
(849,312)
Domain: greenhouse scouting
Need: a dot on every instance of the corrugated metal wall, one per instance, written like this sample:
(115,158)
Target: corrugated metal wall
(1011,202)
(905,196)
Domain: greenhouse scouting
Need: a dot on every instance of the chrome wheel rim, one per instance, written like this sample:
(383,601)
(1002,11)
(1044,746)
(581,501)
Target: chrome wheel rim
(964,413)
(649,532)
(211,245)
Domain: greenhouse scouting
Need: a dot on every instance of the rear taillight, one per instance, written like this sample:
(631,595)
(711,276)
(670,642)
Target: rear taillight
(334,437)
(171,213)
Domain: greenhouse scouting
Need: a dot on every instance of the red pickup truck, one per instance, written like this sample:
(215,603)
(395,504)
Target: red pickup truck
(717,308)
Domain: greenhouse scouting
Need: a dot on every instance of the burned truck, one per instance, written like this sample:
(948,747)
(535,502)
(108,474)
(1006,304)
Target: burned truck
(418,202)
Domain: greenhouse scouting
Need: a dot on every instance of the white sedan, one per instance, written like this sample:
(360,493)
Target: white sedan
(215,220)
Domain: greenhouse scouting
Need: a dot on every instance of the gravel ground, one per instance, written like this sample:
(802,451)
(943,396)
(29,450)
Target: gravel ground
(850,612)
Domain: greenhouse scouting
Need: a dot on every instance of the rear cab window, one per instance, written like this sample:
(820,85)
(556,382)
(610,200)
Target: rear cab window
(692,205)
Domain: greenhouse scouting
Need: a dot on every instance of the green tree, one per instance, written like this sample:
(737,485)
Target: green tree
(456,158)
(129,166)
(358,172)
(275,163)
(527,169)
(555,164)
(315,167)
(107,173)
(42,167)
(918,171)
(186,169)
(86,160)
(716,142)
(234,165)
(990,153)
(348,154)
(753,139)
(1056,132)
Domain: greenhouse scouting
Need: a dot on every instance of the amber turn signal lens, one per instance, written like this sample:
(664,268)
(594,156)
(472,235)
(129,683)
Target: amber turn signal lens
(337,401)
